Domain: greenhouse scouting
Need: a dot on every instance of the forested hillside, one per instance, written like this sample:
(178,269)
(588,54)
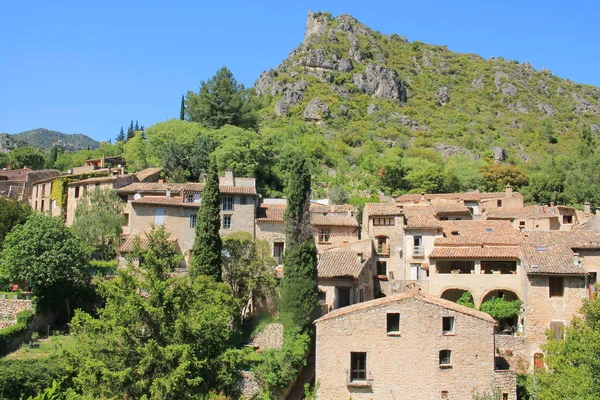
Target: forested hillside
(45,139)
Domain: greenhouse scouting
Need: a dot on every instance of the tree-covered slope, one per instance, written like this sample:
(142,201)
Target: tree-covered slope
(44,139)
(375,111)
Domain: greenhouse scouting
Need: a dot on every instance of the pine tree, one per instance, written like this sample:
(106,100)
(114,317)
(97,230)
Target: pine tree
(121,135)
(137,126)
(299,290)
(207,245)
(182,110)
(130,131)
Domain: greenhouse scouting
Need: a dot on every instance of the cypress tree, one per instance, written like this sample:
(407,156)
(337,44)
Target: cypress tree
(130,131)
(137,126)
(207,244)
(52,158)
(299,289)
(121,135)
(182,110)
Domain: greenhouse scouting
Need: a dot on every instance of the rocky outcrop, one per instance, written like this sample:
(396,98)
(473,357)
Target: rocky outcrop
(316,58)
(508,89)
(405,121)
(372,108)
(381,82)
(316,111)
(500,154)
(546,109)
(585,106)
(477,83)
(442,95)
(448,150)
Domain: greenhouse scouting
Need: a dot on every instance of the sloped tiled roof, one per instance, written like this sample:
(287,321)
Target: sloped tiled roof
(332,220)
(551,252)
(463,233)
(474,196)
(101,179)
(450,209)
(164,201)
(129,244)
(199,187)
(382,209)
(142,187)
(397,298)
(331,208)
(476,252)
(592,224)
(528,212)
(334,264)
(421,219)
(270,212)
(146,173)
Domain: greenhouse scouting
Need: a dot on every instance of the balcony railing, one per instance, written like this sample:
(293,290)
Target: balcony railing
(418,251)
(353,381)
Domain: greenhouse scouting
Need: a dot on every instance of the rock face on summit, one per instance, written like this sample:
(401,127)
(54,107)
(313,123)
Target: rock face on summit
(378,81)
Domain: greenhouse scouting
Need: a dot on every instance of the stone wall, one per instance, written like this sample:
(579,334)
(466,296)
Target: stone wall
(247,385)
(515,350)
(10,308)
(412,353)
(271,337)
(506,383)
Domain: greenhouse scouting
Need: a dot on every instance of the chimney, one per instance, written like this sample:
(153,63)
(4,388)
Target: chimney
(161,181)
(509,191)
(422,196)
(229,179)
(587,207)
(360,257)
(169,192)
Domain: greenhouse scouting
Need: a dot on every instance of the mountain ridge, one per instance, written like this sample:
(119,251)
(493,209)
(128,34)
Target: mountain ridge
(45,139)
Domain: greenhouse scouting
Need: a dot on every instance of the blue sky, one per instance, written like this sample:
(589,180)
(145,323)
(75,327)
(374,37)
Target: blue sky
(92,66)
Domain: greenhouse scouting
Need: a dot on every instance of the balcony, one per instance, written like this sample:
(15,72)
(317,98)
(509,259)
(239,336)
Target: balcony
(359,379)
(418,251)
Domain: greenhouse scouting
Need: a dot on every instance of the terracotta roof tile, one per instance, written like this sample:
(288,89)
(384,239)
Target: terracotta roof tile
(450,209)
(422,219)
(100,179)
(142,187)
(334,264)
(270,212)
(548,253)
(474,196)
(129,244)
(199,187)
(476,252)
(146,173)
(332,208)
(527,212)
(164,201)
(332,220)
(401,297)
(463,233)
(382,209)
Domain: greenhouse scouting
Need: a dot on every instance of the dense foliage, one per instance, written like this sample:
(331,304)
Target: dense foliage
(99,221)
(206,259)
(11,213)
(157,337)
(20,379)
(24,318)
(46,254)
(501,309)
(26,157)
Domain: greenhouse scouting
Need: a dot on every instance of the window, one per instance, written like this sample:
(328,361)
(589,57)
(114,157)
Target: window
(443,218)
(445,358)
(193,220)
(322,296)
(521,224)
(37,191)
(324,236)
(190,198)
(227,203)
(36,209)
(382,268)
(558,329)
(382,246)
(393,323)
(126,218)
(538,360)
(383,221)
(499,203)
(44,191)
(444,394)
(226,221)
(448,325)
(417,245)
(361,295)
(243,200)
(76,192)
(358,366)
(567,219)
(504,396)
(159,216)
(42,206)
(556,287)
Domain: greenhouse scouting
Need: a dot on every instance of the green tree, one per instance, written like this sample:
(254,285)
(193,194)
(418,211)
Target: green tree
(26,157)
(130,131)
(206,258)
(222,101)
(338,194)
(248,268)
(52,157)
(182,110)
(299,290)
(587,143)
(121,136)
(497,176)
(44,252)
(574,362)
(501,309)
(135,152)
(12,213)
(99,221)
(157,337)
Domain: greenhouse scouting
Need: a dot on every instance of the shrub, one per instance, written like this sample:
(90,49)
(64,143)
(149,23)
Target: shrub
(500,308)
(24,318)
(466,299)
(24,378)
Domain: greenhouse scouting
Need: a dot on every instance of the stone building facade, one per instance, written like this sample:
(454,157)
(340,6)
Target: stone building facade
(405,346)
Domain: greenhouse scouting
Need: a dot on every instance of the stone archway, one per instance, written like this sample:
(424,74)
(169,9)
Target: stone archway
(508,294)
(453,294)
(506,325)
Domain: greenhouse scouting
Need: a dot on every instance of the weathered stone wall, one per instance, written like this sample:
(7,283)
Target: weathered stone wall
(338,235)
(515,350)
(10,308)
(271,337)
(247,385)
(405,366)
(506,383)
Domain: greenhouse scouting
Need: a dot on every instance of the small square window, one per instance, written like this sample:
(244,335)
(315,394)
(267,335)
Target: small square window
(227,203)
(393,323)
(556,286)
(322,297)
(567,219)
(190,198)
(499,203)
(444,394)
(445,358)
(381,268)
(522,224)
(243,200)
(226,221)
(448,325)
(125,219)
(324,235)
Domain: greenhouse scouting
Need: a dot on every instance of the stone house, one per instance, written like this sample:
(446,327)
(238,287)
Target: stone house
(407,346)
(270,226)
(346,275)
(538,218)
(333,225)
(17,184)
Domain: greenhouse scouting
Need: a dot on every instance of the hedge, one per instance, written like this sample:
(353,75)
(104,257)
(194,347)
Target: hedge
(24,318)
